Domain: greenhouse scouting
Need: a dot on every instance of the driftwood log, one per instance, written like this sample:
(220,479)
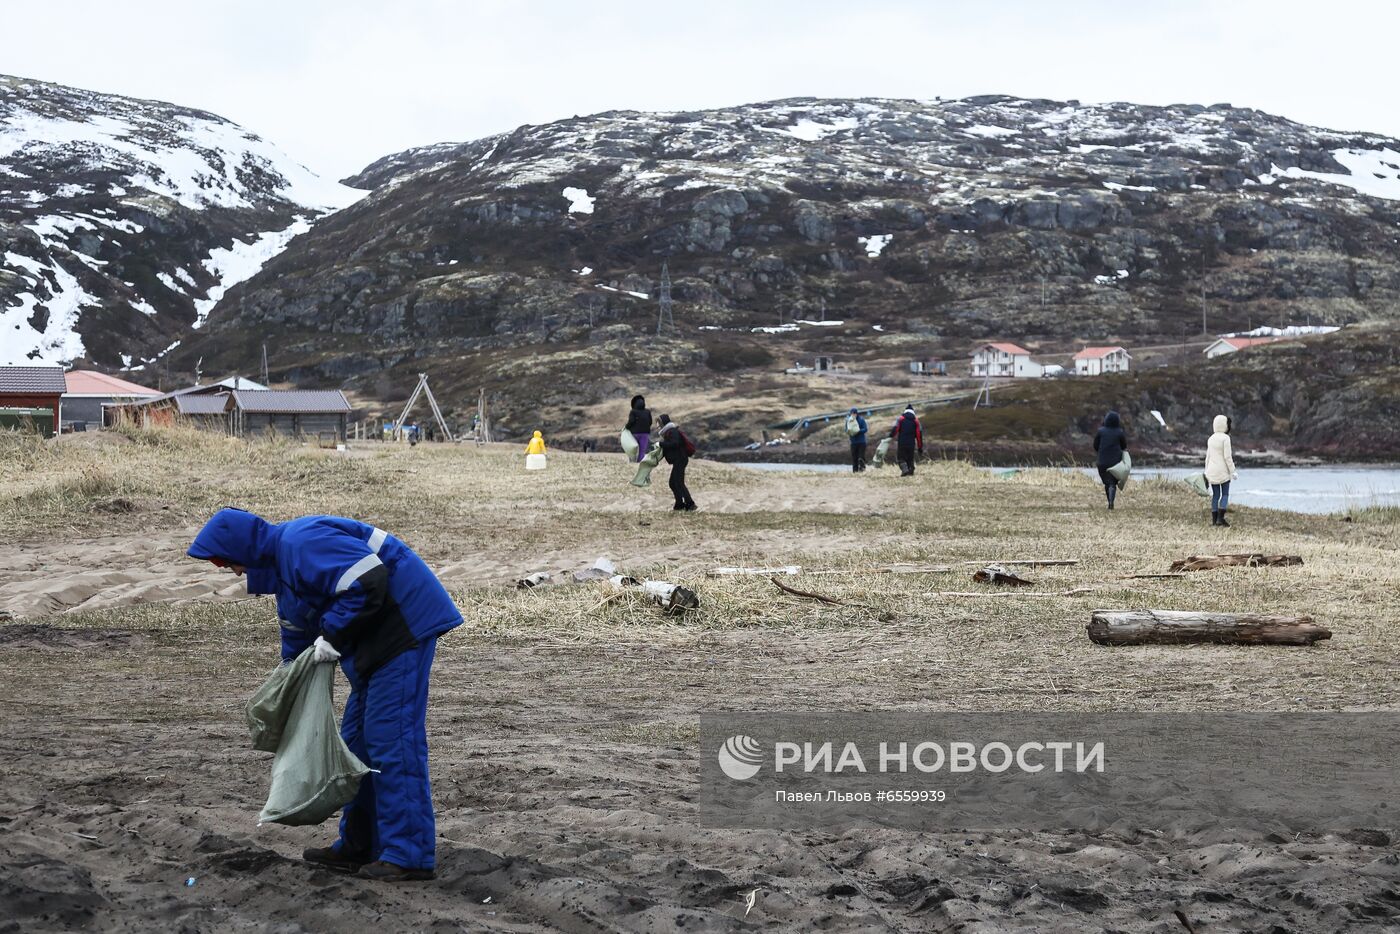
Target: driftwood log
(793,569)
(821,598)
(1254,559)
(1179,627)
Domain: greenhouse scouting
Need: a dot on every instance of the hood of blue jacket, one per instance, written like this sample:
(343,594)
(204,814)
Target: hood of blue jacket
(1111,420)
(238,537)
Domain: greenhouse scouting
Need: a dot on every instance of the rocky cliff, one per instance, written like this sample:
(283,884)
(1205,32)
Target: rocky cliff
(954,220)
(123,221)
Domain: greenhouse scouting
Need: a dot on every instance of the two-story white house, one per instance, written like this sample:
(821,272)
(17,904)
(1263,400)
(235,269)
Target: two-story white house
(1004,359)
(1092,361)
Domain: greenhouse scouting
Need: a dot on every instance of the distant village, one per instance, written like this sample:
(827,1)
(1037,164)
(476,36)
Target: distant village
(1009,360)
(50,400)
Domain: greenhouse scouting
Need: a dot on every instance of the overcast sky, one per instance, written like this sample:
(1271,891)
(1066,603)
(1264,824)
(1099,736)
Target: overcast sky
(339,83)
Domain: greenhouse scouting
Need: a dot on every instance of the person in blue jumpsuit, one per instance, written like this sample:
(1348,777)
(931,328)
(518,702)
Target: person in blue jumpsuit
(355,594)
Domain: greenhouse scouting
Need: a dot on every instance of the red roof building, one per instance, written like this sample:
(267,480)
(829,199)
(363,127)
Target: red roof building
(1093,361)
(90,395)
(31,398)
(1232,344)
(1004,359)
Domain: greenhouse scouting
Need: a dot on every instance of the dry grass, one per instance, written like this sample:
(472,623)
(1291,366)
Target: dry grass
(896,642)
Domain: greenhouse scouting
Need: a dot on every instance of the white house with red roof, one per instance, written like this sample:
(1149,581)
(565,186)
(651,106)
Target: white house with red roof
(1094,361)
(1003,359)
(1233,344)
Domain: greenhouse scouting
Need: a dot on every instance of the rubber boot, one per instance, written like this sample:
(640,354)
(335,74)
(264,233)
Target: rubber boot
(388,872)
(1215,517)
(332,858)
(1222,519)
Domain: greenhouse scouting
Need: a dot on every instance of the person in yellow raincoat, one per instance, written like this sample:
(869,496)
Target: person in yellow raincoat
(534,453)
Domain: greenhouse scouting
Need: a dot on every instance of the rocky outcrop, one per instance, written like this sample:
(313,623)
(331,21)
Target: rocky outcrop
(988,216)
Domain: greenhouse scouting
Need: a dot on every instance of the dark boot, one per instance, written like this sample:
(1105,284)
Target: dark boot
(1215,517)
(328,857)
(388,872)
(1222,519)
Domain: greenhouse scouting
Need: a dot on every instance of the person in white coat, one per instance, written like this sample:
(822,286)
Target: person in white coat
(1220,469)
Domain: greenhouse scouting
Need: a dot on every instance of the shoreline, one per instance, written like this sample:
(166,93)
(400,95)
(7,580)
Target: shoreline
(1018,456)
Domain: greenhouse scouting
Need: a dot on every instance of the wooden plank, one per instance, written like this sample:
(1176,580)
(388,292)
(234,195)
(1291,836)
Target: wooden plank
(793,569)
(1032,562)
(1182,627)
(1253,559)
(1076,592)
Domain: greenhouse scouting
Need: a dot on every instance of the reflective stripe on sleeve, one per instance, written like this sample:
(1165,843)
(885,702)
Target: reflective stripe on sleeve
(376,540)
(356,571)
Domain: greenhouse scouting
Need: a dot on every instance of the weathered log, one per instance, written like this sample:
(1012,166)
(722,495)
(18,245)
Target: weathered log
(1035,562)
(788,569)
(1181,627)
(791,570)
(1254,559)
(1013,594)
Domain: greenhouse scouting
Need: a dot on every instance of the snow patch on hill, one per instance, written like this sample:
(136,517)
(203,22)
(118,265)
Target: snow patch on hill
(197,162)
(1374,172)
(64,298)
(579,202)
(242,261)
(97,169)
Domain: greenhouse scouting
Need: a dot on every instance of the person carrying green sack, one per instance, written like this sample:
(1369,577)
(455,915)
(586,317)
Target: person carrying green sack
(856,429)
(351,593)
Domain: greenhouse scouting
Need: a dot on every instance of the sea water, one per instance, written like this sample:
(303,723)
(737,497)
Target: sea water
(1299,489)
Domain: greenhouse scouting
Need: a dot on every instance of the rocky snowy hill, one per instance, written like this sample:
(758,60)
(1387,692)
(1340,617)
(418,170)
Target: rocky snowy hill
(122,221)
(952,220)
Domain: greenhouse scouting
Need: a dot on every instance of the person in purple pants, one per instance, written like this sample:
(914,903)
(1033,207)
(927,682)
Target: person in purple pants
(639,423)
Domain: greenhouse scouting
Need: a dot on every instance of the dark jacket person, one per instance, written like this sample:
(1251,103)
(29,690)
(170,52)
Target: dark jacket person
(639,423)
(676,450)
(908,436)
(1110,441)
(856,429)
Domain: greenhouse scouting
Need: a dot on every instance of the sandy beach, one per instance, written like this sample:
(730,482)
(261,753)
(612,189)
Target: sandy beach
(563,719)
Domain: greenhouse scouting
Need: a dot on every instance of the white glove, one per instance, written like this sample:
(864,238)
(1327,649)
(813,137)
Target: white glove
(323,651)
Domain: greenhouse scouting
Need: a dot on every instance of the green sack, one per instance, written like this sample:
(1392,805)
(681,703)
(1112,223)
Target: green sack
(630,446)
(314,774)
(1120,470)
(647,465)
(1198,482)
(881,452)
